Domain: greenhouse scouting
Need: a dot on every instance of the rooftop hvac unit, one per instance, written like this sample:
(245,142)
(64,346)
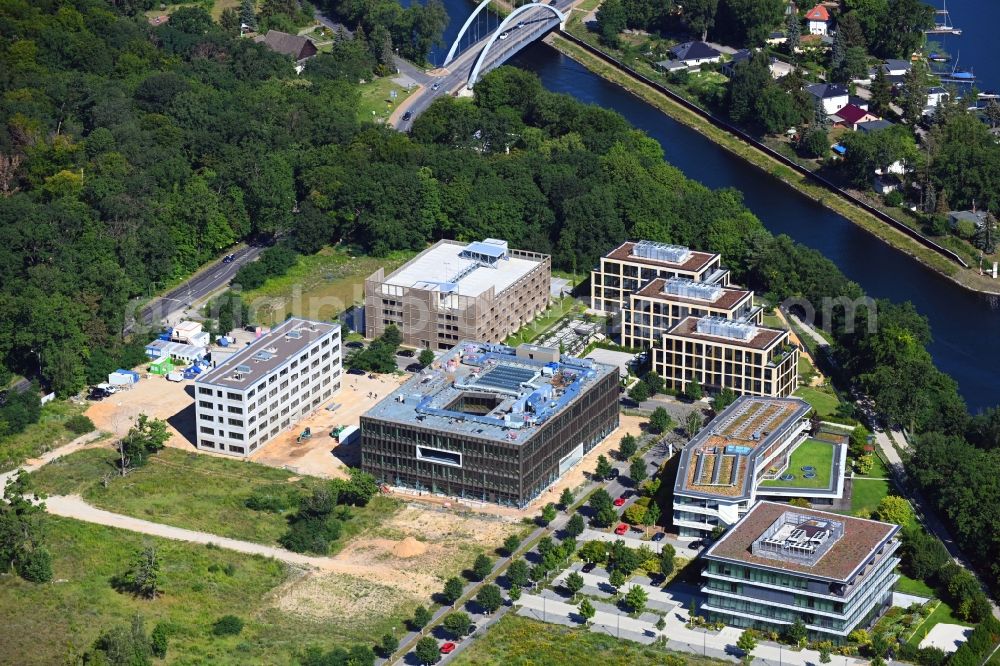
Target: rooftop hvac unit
(674,254)
(690,289)
(294,335)
(263,355)
(726,328)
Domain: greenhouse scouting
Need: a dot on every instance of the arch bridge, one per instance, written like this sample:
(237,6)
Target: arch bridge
(521,27)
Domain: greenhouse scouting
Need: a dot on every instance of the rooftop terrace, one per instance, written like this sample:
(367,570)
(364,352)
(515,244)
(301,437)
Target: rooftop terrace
(490,391)
(660,254)
(680,290)
(740,334)
(722,460)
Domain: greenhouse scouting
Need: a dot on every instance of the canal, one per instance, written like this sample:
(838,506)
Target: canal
(965,326)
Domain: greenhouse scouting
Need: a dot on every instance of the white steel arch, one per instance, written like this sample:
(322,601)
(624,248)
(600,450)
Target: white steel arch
(474,76)
(461,33)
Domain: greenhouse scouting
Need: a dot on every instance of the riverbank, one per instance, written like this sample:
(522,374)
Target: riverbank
(897,239)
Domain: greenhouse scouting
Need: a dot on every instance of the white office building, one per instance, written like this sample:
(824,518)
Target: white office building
(267,386)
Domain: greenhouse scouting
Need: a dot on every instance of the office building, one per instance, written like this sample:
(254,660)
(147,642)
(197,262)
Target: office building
(721,353)
(780,564)
(661,303)
(267,386)
(490,422)
(459,291)
(633,264)
(719,472)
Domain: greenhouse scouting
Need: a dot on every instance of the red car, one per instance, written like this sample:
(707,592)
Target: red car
(619,501)
(621,529)
(448,648)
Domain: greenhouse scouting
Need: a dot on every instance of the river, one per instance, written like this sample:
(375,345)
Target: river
(965,326)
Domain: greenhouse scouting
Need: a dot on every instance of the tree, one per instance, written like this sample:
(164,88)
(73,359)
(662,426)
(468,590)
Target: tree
(427,651)
(490,598)
(747,643)
(723,399)
(548,513)
(914,94)
(800,502)
(457,623)
(22,531)
(575,526)
(453,589)
(992,113)
(881,93)
(142,579)
(603,507)
(514,593)
(146,437)
(636,599)
(635,514)
(482,567)
(793,32)
(511,544)
(227,625)
(611,20)
(639,392)
(748,22)
(796,633)
(421,616)
(653,382)
(517,573)
(824,654)
(651,516)
(692,424)
(637,471)
(693,390)
(748,82)
(587,611)
(667,555)
(389,645)
(566,499)
(616,579)
(627,447)
(660,420)
(574,583)
(426,357)
(894,509)
(247,15)
(122,646)
(159,640)
(858,441)
(699,16)
(603,469)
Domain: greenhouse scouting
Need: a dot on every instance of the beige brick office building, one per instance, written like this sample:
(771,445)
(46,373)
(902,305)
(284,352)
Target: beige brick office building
(721,353)
(456,291)
(660,304)
(631,265)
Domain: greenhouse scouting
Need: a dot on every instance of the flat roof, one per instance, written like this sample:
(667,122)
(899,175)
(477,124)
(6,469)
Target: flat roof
(729,298)
(442,268)
(721,460)
(695,262)
(860,540)
(763,338)
(267,353)
(511,396)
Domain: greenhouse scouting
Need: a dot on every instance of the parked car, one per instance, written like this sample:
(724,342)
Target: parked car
(414,367)
(658,536)
(408,353)
(448,648)
(695,545)
(97,394)
(619,501)
(355,371)
(355,345)
(621,529)
(588,567)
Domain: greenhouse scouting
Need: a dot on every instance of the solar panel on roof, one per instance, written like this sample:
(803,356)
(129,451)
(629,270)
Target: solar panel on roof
(506,377)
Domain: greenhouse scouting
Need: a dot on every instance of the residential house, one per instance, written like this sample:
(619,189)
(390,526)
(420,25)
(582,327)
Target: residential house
(873,125)
(737,59)
(897,67)
(833,96)
(935,96)
(818,19)
(977,217)
(298,47)
(695,54)
(887,183)
(851,115)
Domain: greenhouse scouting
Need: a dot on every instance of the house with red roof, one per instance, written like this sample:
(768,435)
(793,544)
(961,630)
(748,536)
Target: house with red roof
(851,116)
(818,19)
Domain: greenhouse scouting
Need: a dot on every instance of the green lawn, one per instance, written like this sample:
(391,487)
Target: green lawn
(519,641)
(908,585)
(376,102)
(47,434)
(543,322)
(941,614)
(192,491)
(823,399)
(867,493)
(811,452)
(878,470)
(319,286)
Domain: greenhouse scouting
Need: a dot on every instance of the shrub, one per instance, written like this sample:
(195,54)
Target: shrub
(35,566)
(78,424)
(270,499)
(894,199)
(158,640)
(311,535)
(227,625)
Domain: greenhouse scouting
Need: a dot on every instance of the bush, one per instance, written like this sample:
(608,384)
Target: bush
(158,640)
(894,199)
(311,535)
(78,424)
(227,625)
(36,566)
(273,499)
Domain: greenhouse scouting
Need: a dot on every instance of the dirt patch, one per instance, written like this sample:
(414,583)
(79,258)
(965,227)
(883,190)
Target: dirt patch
(351,601)
(409,547)
(154,396)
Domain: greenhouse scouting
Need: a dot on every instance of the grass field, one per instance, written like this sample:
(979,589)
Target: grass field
(811,452)
(518,641)
(942,614)
(47,434)
(878,470)
(192,491)
(909,585)
(867,493)
(376,102)
(823,400)
(319,286)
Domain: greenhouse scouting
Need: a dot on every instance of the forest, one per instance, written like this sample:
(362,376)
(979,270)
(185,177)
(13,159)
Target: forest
(130,155)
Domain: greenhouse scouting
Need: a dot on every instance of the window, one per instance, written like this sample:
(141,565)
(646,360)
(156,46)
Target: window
(206,404)
(204,391)
(234,410)
(236,422)
(234,396)
(207,430)
(206,417)
(237,449)
(208,444)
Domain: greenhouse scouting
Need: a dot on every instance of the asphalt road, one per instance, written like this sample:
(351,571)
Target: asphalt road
(534,24)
